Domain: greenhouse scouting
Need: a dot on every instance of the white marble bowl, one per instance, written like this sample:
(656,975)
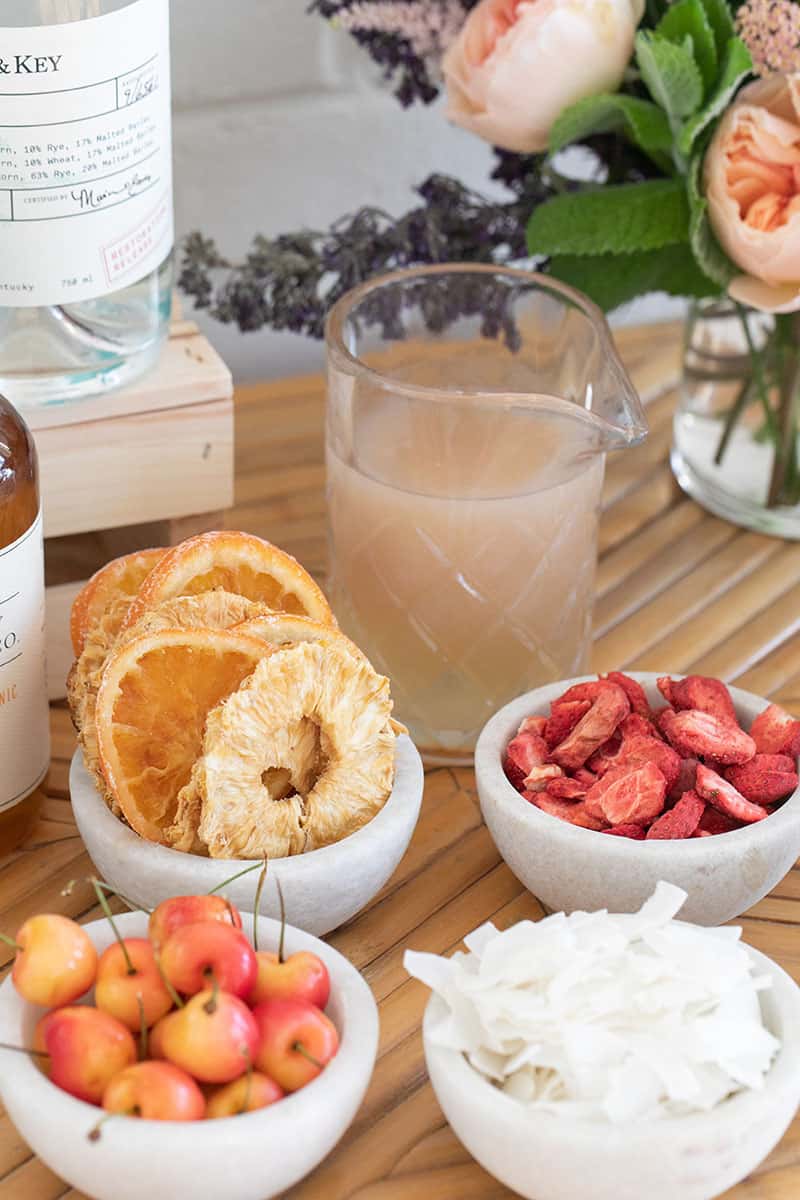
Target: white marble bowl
(322,889)
(570,868)
(547,1157)
(253,1156)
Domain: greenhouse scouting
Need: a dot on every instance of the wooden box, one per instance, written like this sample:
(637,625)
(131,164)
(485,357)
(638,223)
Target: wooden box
(143,466)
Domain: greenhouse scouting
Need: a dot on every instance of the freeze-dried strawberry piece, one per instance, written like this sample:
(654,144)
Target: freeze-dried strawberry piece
(575,814)
(523,753)
(586,691)
(628,797)
(633,690)
(538,778)
(566,789)
(702,735)
(680,821)
(713,821)
(608,710)
(636,725)
(585,777)
(776,732)
(638,750)
(629,831)
(724,796)
(533,725)
(700,692)
(686,778)
(765,779)
(564,716)
(606,756)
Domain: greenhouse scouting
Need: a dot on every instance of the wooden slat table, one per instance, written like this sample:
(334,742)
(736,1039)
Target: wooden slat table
(677,589)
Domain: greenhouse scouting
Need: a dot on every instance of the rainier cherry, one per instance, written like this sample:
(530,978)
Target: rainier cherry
(87,1048)
(214,1037)
(194,955)
(301,976)
(56,961)
(156,1091)
(296,1041)
(170,914)
(126,973)
(245,1094)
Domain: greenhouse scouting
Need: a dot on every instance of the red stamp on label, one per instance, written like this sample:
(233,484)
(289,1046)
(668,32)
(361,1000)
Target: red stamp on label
(126,253)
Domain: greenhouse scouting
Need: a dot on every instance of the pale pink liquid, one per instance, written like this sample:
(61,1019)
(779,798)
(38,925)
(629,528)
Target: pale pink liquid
(463,547)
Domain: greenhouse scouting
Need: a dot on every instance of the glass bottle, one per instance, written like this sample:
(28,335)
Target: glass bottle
(86,217)
(24,715)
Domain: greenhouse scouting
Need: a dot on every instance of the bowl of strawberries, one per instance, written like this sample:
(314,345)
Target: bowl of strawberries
(186,1053)
(596,788)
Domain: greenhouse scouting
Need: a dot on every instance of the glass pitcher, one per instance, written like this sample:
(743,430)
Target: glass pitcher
(470,410)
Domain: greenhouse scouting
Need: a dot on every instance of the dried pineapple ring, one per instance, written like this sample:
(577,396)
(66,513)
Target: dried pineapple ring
(266,726)
(117,580)
(235,562)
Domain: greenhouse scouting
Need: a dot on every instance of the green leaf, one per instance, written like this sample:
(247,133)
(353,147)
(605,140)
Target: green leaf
(736,66)
(710,256)
(614,279)
(642,122)
(615,220)
(671,74)
(688,18)
(720,18)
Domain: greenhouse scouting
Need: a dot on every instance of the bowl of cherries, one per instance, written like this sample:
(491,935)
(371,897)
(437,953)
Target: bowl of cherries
(184,1053)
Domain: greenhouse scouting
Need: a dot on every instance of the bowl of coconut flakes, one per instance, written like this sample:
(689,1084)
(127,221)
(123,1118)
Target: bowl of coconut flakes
(613,1056)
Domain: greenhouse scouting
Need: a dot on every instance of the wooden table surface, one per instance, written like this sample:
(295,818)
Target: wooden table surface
(676,590)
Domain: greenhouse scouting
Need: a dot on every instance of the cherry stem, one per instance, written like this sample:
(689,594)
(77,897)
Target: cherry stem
(9,941)
(94,1133)
(142,1026)
(281,956)
(238,875)
(257,903)
(299,1048)
(24,1050)
(132,905)
(101,896)
(174,997)
(210,1005)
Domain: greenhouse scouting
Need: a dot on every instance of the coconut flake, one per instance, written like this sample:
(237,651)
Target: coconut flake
(606,1016)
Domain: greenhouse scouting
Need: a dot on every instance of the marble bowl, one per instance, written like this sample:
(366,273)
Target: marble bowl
(249,1157)
(697,1157)
(322,889)
(571,868)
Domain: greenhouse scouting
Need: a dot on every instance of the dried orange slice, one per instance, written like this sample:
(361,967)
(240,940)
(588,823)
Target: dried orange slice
(117,580)
(235,562)
(284,629)
(154,698)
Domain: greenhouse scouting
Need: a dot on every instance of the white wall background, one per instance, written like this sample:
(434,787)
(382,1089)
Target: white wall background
(281,123)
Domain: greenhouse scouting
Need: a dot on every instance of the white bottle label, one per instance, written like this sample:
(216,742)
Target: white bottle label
(24,714)
(85,156)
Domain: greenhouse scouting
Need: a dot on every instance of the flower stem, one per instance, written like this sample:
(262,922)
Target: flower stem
(757,360)
(735,412)
(785,442)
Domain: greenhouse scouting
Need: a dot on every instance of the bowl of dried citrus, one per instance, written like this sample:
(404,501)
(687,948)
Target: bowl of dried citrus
(224,719)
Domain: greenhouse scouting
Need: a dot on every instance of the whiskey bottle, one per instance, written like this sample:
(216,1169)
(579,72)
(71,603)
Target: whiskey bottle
(24,716)
(86,216)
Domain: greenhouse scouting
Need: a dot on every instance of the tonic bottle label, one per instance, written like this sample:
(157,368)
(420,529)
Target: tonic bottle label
(24,716)
(85,156)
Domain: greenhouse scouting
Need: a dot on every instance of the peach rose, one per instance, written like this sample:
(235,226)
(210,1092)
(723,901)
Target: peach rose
(752,184)
(517,64)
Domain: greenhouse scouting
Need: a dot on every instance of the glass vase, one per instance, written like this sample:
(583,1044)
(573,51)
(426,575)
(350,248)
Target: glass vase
(735,445)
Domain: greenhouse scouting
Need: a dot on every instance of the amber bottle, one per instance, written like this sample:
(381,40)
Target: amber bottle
(24,717)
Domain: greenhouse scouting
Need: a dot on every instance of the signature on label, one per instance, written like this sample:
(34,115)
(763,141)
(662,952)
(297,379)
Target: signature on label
(138,86)
(89,198)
